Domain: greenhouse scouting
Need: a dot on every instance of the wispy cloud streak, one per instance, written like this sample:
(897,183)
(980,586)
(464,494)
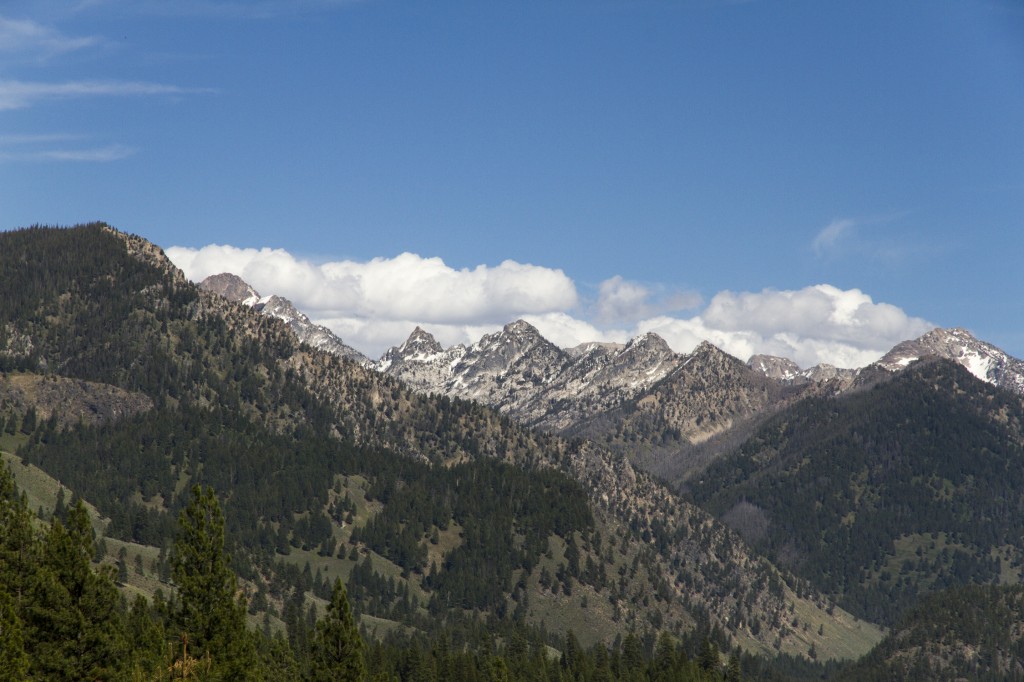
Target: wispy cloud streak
(113,152)
(15,94)
(24,36)
(827,240)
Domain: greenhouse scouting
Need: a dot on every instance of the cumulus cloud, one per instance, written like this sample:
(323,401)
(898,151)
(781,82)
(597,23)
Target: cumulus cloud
(381,300)
(816,324)
(623,301)
(375,304)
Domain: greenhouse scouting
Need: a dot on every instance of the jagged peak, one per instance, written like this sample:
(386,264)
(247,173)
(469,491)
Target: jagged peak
(421,341)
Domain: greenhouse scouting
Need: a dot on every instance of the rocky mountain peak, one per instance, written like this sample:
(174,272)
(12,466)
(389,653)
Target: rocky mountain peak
(230,286)
(981,359)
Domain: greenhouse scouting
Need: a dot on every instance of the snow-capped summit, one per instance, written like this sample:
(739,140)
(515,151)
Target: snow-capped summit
(981,359)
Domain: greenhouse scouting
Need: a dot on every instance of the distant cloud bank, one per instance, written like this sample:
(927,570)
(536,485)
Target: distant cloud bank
(375,304)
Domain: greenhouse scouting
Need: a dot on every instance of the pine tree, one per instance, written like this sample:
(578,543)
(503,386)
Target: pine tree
(146,637)
(13,659)
(708,658)
(338,649)
(734,671)
(74,627)
(208,615)
(18,544)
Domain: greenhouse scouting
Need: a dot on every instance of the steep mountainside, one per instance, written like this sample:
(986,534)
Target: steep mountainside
(431,508)
(906,485)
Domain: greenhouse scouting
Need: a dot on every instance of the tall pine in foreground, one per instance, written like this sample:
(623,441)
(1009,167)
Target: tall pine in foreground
(337,646)
(75,628)
(208,618)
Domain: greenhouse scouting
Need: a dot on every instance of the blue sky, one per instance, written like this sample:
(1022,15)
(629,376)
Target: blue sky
(817,179)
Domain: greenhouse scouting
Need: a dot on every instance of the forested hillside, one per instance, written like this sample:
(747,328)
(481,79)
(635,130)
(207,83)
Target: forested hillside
(437,515)
(881,495)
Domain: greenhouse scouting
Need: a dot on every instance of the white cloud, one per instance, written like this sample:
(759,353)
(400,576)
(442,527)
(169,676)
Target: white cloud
(812,325)
(375,304)
(16,94)
(828,239)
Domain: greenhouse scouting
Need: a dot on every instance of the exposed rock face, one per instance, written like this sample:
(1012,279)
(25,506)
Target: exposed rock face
(71,401)
(235,289)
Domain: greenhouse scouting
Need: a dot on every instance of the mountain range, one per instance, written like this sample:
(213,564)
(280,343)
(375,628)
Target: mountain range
(670,412)
(600,491)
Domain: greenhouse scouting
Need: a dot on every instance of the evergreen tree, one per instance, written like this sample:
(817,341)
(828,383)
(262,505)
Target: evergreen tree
(338,649)
(146,637)
(734,671)
(18,545)
(709,658)
(208,617)
(74,625)
(13,660)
